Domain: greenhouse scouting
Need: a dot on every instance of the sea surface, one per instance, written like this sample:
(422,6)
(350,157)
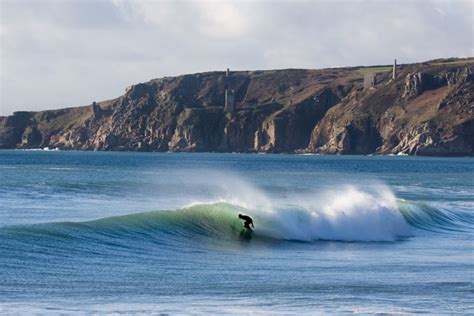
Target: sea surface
(140,233)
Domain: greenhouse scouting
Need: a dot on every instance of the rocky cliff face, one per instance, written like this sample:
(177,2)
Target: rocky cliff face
(427,110)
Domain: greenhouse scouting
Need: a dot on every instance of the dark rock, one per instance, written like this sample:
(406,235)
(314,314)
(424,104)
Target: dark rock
(31,137)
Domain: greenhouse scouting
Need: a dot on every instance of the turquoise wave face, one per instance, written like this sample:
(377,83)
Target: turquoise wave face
(218,223)
(195,224)
(440,220)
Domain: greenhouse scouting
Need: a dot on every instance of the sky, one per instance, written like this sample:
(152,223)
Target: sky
(63,53)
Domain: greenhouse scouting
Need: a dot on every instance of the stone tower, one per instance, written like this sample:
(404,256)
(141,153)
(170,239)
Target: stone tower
(370,80)
(394,74)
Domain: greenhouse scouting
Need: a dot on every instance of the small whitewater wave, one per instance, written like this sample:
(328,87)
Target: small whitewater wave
(348,214)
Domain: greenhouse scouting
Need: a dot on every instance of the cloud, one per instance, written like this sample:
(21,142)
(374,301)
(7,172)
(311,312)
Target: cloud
(67,53)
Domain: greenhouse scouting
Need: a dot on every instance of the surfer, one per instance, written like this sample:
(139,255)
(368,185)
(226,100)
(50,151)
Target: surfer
(248,221)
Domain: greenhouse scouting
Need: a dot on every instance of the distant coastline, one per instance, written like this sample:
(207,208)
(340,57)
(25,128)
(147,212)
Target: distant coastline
(424,109)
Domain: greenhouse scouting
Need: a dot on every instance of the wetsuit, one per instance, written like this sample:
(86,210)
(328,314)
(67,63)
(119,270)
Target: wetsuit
(248,221)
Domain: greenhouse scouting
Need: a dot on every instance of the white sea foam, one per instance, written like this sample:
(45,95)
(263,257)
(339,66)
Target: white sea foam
(346,213)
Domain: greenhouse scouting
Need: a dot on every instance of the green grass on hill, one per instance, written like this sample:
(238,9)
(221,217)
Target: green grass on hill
(385,68)
(375,69)
(453,61)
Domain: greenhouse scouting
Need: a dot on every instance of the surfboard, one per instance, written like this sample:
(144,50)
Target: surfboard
(246,233)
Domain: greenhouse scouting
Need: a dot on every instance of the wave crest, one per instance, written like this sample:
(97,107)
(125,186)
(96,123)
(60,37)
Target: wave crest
(347,215)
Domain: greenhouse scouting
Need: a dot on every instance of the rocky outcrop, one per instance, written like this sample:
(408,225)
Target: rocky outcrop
(424,112)
(427,110)
(13,128)
(419,82)
(430,140)
(289,128)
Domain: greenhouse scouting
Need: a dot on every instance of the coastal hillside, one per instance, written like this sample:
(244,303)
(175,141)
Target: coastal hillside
(428,109)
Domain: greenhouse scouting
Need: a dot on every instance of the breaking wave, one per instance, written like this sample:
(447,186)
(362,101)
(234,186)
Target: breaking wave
(350,214)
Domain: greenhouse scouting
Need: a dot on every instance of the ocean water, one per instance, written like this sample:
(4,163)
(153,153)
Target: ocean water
(140,233)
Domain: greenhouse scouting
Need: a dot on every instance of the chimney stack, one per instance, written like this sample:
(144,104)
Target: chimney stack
(394,74)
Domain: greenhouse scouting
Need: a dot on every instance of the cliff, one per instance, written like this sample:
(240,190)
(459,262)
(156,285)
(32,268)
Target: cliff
(427,110)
